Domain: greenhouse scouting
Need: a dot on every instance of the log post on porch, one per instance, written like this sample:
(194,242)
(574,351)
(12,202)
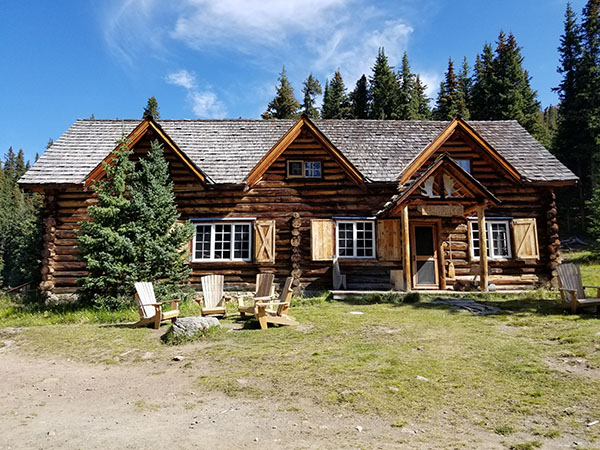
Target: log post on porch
(483,252)
(406,248)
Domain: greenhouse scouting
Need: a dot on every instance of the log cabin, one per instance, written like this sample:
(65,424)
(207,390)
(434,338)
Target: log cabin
(407,205)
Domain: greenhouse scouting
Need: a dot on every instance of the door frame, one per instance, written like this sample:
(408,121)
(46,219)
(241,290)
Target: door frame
(435,227)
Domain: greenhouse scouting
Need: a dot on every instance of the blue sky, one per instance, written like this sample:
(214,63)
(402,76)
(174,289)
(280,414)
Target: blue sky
(65,60)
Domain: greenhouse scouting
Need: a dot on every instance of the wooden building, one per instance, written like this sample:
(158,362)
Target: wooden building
(416,204)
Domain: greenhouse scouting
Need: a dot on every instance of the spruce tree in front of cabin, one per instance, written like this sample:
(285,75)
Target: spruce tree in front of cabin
(359,99)
(161,241)
(108,242)
(311,88)
(384,89)
(284,105)
(336,104)
(151,109)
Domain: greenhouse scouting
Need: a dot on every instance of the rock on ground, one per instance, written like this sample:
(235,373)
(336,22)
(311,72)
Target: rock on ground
(189,326)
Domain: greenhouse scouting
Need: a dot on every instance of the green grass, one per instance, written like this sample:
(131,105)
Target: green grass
(490,372)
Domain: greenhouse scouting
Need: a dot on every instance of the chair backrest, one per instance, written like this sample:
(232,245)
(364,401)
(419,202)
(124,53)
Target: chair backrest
(145,298)
(264,284)
(570,278)
(286,296)
(212,289)
(337,274)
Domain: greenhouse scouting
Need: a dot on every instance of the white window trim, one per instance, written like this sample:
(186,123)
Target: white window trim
(354,222)
(303,162)
(488,227)
(233,223)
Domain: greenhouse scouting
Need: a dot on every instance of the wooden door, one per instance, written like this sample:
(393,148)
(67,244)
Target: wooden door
(424,255)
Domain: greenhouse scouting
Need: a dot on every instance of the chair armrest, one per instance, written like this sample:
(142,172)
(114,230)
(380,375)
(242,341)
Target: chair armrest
(567,290)
(271,303)
(259,299)
(591,287)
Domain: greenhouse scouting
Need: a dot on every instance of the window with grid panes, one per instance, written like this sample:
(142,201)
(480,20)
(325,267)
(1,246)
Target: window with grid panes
(222,242)
(498,239)
(356,239)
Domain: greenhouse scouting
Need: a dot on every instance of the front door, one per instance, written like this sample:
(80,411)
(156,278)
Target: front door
(424,255)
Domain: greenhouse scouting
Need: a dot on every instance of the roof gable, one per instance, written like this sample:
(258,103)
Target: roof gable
(277,150)
(458,125)
(443,181)
(133,138)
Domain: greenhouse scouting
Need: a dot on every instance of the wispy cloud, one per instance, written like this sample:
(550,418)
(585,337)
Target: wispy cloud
(205,103)
(182,78)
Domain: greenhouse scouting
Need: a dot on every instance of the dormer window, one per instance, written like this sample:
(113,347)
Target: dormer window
(465,164)
(304,169)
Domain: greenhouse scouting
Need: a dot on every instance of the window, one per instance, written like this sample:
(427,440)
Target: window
(356,239)
(222,242)
(498,241)
(304,169)
(465,164)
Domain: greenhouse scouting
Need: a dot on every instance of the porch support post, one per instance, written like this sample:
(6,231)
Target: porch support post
(406,248)
(483,252)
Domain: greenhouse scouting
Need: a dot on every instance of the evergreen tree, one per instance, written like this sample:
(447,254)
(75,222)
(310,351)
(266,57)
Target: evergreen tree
(588,94)
(450,101)
(384,89)
(423,110)
(483,85)
(359,99)
(161,241)
(408,105)
(107,242)
(464,89)
(151,110)
(284,105)
(311,89)
(335,100)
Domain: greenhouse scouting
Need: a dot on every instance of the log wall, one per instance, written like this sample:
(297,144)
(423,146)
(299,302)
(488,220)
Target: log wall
(292,203)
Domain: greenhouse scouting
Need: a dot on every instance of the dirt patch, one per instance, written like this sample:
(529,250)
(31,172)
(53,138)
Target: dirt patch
(574,366)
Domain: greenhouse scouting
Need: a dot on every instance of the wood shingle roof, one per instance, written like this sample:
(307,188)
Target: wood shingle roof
(226,150)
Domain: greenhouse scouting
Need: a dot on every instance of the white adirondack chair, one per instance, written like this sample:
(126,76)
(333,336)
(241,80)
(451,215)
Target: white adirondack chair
(213,302)
(572,290)
(339,280)
(151,311)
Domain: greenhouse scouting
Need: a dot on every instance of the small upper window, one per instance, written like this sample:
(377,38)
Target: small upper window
(465,164)
(304,169)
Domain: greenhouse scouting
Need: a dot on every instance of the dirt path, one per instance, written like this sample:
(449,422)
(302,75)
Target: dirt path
(57,403)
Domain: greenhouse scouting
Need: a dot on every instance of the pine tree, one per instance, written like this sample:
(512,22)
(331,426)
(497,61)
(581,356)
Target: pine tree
(284,105)
(423,110)
(161,241)
(384,89)
(408,105)
(311,89)
(450,102)
(151,109)
(464,89)
(107,243)
(359,99)
(335,100)
(483,85)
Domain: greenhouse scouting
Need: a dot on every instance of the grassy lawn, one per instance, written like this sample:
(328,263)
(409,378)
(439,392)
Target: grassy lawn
(532,370)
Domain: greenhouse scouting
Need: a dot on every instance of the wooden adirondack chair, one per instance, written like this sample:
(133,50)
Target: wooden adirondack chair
(151,311)
(265,314)
(264,290)
(213,299)
(572,290)
(339,280)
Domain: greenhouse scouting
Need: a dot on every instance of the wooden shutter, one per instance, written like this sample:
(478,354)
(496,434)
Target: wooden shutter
(525,239)
(264,241)
(389,240)
(322,239)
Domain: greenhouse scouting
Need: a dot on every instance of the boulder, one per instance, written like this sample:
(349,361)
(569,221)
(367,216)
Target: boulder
(189,326)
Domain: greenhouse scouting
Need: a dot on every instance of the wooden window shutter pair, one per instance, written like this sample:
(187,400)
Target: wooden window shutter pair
(322,239)
(389,240)
(264,241)
(525,239)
